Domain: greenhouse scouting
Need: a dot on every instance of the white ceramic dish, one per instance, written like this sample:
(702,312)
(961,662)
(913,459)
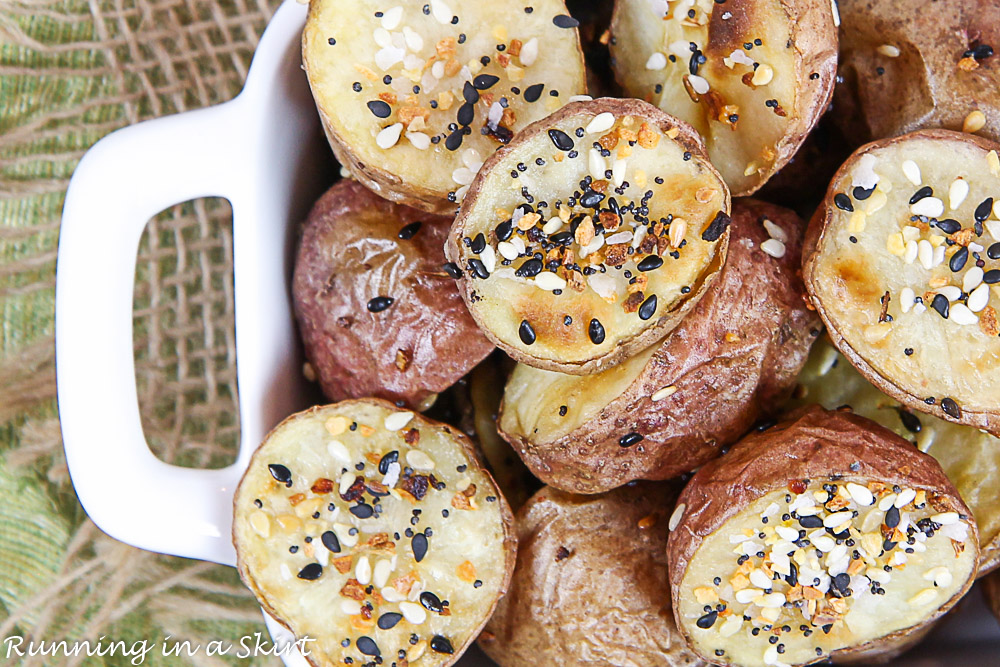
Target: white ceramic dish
(260,151)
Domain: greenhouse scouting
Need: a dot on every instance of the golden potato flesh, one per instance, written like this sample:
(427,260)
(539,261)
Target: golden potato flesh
(362,527)
(824,536)
(752,76)
(970,457)
(590,236)
(414,96)
(902,263)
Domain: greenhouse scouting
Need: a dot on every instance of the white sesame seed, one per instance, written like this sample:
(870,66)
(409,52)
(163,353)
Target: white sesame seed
(945,518)
(925,253)
(414,42)
(760,580)
(910,254)
(397,420)
(390,594)
(494,115)
(345,483)
(938,255)
(906,299)
(419,140)
(380,575)
(413,612)
(602,122)
(681,48)
(618,171)
(910,233)
(382,38)
(392,17)
(912,172)
(748,595)
(388,137)
(940,575)
(888,50)
(675,517)
(507,250)
(836,519)
(344,535)
(932,207)
(391,474)
(337,450)
(771,600)
(979,298)
(657,61)
(861,494)
(774,248)
(960,314)
(972,278)
(579,98)
(740,57)
(441,12)
(993,226)
(786,533)
(418,460)
(518,243)
(824,543)
(437,69)
(529,52)
(350,607)
(957,193)
(619,237)
(774,231)
(731,626)
(489,258)
(924,597)
(363,571)
(950,292)
(638,236)
(596,163)
(698,84)
(996,208)
(664,393)
(462,175)
(385,58)
(549,281)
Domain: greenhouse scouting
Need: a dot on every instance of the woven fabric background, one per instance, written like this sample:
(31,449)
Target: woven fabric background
(70,72)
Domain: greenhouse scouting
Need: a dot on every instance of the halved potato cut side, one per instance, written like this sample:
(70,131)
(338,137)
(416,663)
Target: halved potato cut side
(414,96)
(590,236)
(752,76)
(903,263)
(375,533)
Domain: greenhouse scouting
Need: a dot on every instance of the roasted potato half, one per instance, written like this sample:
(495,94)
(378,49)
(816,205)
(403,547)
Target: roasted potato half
(752,76)
(590,585)
(374,532)
(824,536)
(378,314)
(414,96)
(970,457)
(671,408)
(918,64)
(902,263)
(591,235)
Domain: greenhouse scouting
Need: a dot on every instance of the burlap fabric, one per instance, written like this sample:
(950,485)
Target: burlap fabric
(70,72)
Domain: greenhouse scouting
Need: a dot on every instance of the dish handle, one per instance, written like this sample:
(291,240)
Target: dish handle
(120,184)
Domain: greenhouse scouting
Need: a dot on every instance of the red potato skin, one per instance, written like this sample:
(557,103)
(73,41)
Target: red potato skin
(812,444)
(724,385)
(349,253)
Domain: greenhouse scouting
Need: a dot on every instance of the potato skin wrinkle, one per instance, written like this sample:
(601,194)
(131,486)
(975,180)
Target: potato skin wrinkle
(377,313)
(591,235)
(897,261)
(414,96)
(374,532)
(752,76)
(918,64)
(815,512)
(590,585)
(731,361)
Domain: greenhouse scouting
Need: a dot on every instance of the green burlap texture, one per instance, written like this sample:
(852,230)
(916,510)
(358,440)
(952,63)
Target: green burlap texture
(70,72)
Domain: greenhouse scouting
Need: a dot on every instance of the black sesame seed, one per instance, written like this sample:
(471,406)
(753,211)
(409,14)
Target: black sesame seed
(708,620)
(454,140)
(650,263)
(561,140)
(892,517)
(441,645)
(452,269)
(409,231)
(596,332)
(843,202)
(380,303)
(983,210)
(591,199)
(948,225)
(716,228)
(311,572)
(648,307)
(980,52)
(431,602)
(280,473)
(504,230)
(630,439)
(526,332)
(910,421)
(478,243)
(532,93)
(380,109)
(419,544)
(466,114)
(387,460)
(958,260)
(362,511)
(861,194)
(330,541)
(951,408)
(478,268)
(368,646)
(810,521)
(485,81)
(529,269)
(992,276)
(564,21)
(922,193)
(388,620)
(940,304)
